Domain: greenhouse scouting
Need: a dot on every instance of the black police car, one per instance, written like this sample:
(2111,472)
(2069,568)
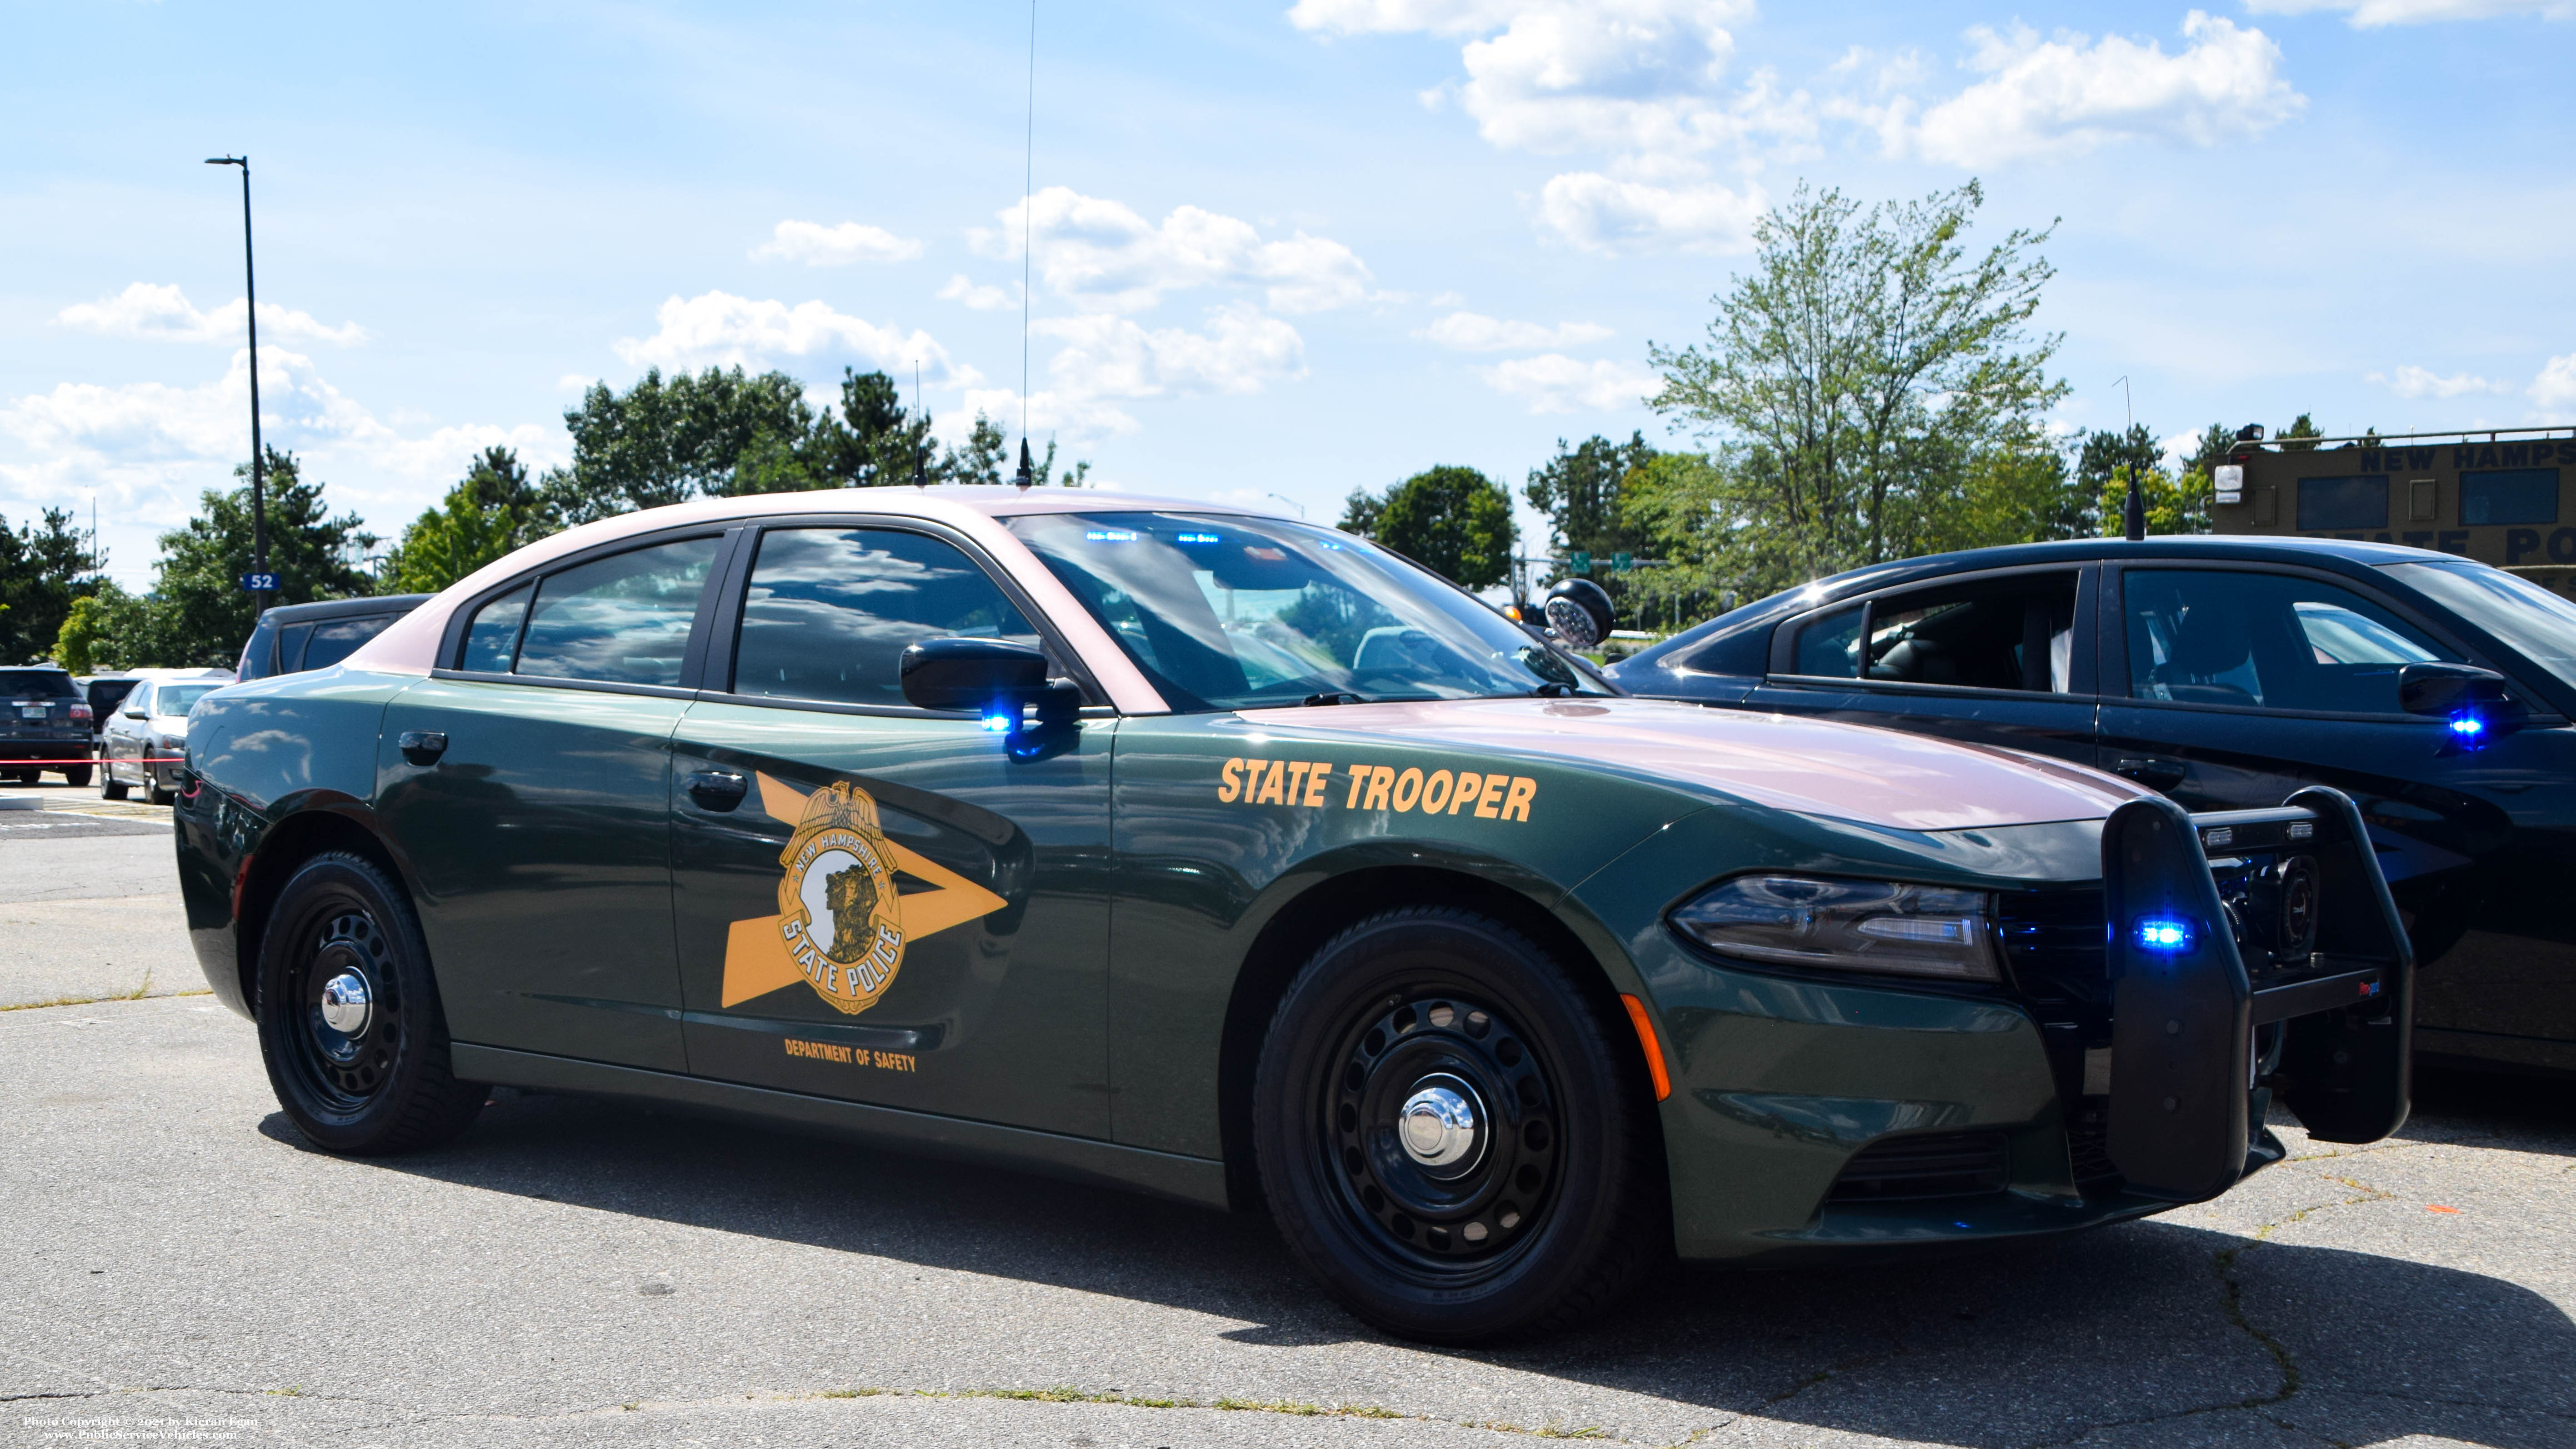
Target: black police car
(2228,672)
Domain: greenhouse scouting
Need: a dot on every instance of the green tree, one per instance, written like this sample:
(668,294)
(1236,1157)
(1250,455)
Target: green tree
(2177,501)
(202,613)
(2288,439)
(44,568)
(717,433)
(1578,490)
(1362,512)
(981,460)
(872,441)
(1453,521)
(494,510)
(108,629)
(1856,375)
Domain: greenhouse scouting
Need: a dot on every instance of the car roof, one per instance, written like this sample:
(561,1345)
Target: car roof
(345,608)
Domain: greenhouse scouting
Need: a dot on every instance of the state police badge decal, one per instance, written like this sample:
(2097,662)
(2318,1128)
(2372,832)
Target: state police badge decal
(838,909)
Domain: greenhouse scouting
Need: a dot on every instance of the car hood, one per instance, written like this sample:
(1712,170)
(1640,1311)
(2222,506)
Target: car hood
(1851,772)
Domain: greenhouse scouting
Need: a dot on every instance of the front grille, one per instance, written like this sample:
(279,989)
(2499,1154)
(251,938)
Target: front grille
(1944,1164)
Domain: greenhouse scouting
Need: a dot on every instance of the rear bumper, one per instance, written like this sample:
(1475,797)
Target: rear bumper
(66,747)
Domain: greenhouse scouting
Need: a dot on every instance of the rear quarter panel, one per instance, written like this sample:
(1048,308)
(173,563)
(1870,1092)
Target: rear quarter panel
(264,753)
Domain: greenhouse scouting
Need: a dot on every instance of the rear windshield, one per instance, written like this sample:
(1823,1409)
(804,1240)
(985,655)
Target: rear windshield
(36,684)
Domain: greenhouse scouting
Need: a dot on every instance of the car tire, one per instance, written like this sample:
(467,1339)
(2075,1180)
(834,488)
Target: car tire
(76,776)
(364,1072)
(1544,1210)
(25,777)
(159,796)
(110,787)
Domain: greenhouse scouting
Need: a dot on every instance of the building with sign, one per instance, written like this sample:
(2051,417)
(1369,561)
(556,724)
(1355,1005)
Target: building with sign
(2497,496)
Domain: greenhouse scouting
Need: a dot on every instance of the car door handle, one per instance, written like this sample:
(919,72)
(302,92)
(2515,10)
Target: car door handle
(422,747)
(2153,770)
(718,790)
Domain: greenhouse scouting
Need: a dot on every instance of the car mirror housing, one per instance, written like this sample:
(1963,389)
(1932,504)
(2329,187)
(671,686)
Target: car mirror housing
(2477,702)
(972,673)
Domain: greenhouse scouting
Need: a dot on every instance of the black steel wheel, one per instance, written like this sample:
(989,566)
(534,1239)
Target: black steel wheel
(349,1021)
(1454,1135)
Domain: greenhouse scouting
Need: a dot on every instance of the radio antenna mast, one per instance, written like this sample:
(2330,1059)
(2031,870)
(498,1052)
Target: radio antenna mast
(1028,237)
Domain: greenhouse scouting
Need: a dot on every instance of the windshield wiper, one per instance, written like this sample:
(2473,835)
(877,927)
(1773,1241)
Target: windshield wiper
(1333,696)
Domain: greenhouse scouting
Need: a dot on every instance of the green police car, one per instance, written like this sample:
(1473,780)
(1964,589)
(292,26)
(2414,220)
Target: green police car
(1202,852)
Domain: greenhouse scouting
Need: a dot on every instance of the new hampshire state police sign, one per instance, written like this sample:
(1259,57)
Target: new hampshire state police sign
(842,925)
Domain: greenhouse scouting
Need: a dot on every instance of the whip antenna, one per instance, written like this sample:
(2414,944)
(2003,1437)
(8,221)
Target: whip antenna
(1028,237)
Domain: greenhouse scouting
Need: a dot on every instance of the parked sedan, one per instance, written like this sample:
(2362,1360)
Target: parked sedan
(143,744)
(1208,853)
(2226,672)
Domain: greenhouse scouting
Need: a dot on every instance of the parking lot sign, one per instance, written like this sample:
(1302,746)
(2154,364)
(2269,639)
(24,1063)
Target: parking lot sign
(259,583)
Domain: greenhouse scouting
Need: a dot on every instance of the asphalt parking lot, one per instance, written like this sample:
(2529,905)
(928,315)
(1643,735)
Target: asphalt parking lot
(181,1268)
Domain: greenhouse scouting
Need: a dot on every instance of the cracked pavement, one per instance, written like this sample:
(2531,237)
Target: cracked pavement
(579,1272)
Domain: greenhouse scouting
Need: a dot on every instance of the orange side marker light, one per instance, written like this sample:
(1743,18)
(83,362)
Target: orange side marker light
(1653,1048)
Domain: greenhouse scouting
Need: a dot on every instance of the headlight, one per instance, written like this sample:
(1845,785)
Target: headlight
(1846,925)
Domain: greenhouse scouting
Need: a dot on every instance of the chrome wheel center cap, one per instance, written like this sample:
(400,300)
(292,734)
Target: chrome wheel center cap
(1438,1125)
(346,1006)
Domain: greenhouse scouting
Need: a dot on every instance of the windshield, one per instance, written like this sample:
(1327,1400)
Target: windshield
(180,698)
(2523,616)
(1224,612)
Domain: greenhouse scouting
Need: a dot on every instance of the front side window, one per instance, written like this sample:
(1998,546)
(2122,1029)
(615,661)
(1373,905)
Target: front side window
(623,619)
(1227,612)
(831,610)
(2014,633)
(2277,641)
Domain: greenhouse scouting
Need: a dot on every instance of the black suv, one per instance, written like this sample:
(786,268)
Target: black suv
(295,637)
(43,717)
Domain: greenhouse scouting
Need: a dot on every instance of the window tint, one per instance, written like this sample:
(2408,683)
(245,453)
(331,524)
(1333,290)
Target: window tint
(2016,633)
(1828,646)
(2328,505)
(623,619)
(493,641)
(830,612)
(337,640)
(36,684)
(2274,640)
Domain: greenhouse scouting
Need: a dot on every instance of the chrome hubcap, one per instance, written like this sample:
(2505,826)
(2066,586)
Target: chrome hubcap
(346,1004)
(1440,1126)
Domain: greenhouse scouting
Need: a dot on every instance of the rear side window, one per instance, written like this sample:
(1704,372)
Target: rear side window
(290,647)
(36,684)
(340,638)
(2011,633)
(1828,646)
(2277,641)
(831,610)
(623,619)
(493,641)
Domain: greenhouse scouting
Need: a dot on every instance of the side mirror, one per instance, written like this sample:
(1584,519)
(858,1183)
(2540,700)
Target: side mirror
(971,673)
(2476,701)
(133,713)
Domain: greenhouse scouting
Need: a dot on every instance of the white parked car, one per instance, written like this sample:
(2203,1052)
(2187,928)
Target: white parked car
(145,738)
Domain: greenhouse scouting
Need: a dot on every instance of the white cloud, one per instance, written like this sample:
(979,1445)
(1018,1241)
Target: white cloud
(1103,355)
(1471,332)
(725,330)
(2413,381)
(146,309)
(982,299)
(1602,213)
(817,245)
(2065,96)
(1104,256)
(2554,390)
(2364,14)
(1556,383)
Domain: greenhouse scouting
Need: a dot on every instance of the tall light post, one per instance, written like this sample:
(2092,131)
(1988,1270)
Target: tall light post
(250,306)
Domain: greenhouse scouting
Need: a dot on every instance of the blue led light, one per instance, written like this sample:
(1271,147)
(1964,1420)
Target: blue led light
(2468,726)
(2162,933)
(1000,721)
(1109,535)
(1194,538)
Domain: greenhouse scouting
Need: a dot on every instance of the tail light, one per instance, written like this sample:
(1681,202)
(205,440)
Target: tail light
(80,711)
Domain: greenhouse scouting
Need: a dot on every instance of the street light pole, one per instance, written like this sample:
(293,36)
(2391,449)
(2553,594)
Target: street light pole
(250,305)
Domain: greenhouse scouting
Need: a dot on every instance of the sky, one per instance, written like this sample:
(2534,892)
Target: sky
(1273,251)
